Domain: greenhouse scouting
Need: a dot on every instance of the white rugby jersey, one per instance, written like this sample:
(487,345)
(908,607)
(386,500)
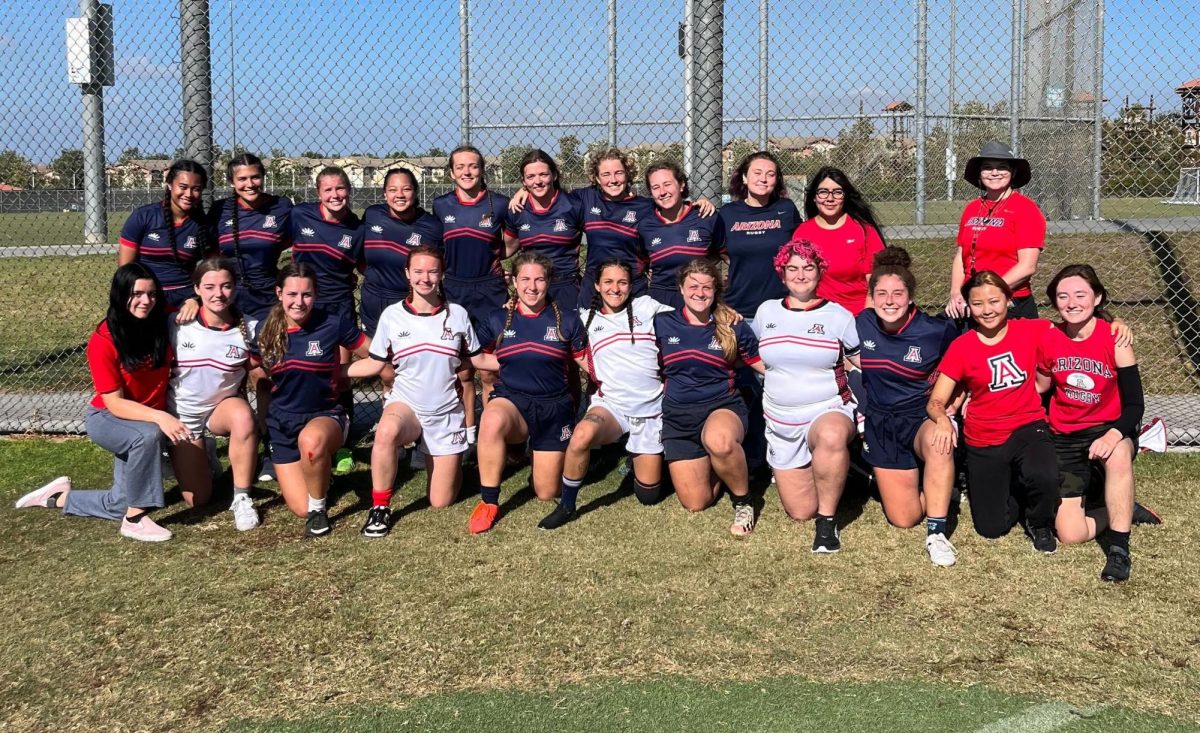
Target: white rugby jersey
(427,350)
(803,351)
(626,369)
(210,364)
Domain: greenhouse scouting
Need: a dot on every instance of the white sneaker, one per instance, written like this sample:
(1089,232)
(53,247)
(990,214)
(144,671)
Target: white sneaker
(743,520)
(41,496)
(245,516)
(267,472)
(941,552)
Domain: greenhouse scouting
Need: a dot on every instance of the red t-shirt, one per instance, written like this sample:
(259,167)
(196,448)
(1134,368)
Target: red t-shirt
(849,253)
(999,230)
(1085,378)
(1000,380)
(146,385)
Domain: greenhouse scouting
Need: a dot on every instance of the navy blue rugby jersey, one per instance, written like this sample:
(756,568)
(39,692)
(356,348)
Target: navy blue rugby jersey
(472,233)
(333,248)
(899,369)
(750,236)
(669,246)
(145,232)
(694,367)
(534,360)
(611,227)
(555,231)
(264,232)
(387,241)
(304,380)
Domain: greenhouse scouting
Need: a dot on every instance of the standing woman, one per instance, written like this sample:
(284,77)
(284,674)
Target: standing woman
(805,343)
(473,219)
(901,350)
(129,356)
(675,234)
(253,228)
(299,346)
(1005,427)
(623,364)
(842,226)
(392,230)
(704,418)
(1003,230)
(425,339)
(1095,412)
(531,344)
(171,236)
(212,357)
(551,224)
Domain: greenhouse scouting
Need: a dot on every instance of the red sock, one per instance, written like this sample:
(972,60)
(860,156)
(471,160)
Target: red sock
(381,497)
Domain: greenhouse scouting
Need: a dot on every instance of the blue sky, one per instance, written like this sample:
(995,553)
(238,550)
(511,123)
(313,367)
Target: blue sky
(374,76)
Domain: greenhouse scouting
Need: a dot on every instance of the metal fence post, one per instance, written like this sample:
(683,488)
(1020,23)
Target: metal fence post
(464,70)
(1014,89)
(612,73)
(196,70)
(95,213)
(951,158)
(689,84)
(764,8)
(1098,109)
(919,112)
(707,138)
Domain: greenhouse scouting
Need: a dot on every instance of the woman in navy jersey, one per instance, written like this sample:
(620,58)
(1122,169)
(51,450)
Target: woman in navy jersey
(1095,411)
(253,228)
(704,418)
(473,219)
(901,348)
(129,356)
(675,234)
(550,223)
(807,344)
(392,229)
(623,364)
(425,339)
(171,236)
(299,346)
(531,344)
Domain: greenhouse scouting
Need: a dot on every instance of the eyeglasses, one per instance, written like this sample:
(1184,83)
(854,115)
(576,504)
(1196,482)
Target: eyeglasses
(999,167)
(826,194)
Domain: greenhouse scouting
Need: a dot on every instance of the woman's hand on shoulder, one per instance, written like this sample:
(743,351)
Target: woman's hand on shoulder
(704,207)
(517,202)
(1122,333)
(187,312)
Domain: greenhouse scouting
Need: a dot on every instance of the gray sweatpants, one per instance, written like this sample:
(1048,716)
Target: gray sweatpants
(137,471)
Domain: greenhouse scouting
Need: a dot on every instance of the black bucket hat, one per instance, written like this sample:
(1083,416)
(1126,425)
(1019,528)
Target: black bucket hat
(996,150)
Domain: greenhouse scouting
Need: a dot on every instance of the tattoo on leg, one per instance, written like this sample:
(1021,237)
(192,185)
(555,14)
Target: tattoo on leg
(593,417)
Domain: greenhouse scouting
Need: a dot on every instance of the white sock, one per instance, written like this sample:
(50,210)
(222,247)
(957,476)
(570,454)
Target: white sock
(316,505)
(472,434)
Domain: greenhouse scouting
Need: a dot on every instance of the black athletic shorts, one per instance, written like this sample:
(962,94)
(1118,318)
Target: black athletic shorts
(684,422)
(1080,476)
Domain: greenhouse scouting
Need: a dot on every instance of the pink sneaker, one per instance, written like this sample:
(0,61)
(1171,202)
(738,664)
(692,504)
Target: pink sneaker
(40,497)
(145,529)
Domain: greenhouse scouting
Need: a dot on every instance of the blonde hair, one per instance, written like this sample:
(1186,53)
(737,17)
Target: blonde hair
(723,315)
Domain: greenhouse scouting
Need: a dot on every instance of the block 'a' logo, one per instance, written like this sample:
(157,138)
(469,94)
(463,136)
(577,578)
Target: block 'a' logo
(1005,372)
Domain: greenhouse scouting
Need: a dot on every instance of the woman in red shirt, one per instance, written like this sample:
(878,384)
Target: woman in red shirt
(129,356)
(1095,410)
(1002,230)
(842,226)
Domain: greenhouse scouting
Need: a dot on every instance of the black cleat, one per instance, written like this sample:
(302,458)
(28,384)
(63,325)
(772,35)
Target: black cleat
(379,522)
(557,518)
(827,540)
(1043,539)
(1116,570)
(1143,514)
(317,524)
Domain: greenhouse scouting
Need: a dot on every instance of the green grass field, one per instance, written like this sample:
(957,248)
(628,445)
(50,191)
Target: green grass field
(630,618)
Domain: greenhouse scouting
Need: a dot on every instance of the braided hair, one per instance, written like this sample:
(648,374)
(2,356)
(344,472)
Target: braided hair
(240,161)
(217,263)
(598,301)
(531,258)
(196,213)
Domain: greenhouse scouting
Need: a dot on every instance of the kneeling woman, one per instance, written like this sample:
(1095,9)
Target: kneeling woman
(623,363)
(424,338)
(212,356)
(129,356)
(1005,428)
(299,344)
(805,343)
(531,343)
(901,350)
(1095,411)
(704,416)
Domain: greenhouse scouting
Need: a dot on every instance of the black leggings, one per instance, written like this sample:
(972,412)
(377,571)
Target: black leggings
(996,499)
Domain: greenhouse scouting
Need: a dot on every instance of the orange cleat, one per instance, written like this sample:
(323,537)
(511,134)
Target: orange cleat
(483,517)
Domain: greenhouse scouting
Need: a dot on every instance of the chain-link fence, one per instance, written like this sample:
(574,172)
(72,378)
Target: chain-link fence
(899,94)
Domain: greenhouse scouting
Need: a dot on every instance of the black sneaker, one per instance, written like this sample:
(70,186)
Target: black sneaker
(1145,515)
(557,518)
(379,522)
(828,540)
(317,524)
(1116,570)
(1043,539)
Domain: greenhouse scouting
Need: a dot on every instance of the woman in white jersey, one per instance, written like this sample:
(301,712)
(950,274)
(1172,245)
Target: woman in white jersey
(623,365)
(805,343)
(424,338)
(212,357)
